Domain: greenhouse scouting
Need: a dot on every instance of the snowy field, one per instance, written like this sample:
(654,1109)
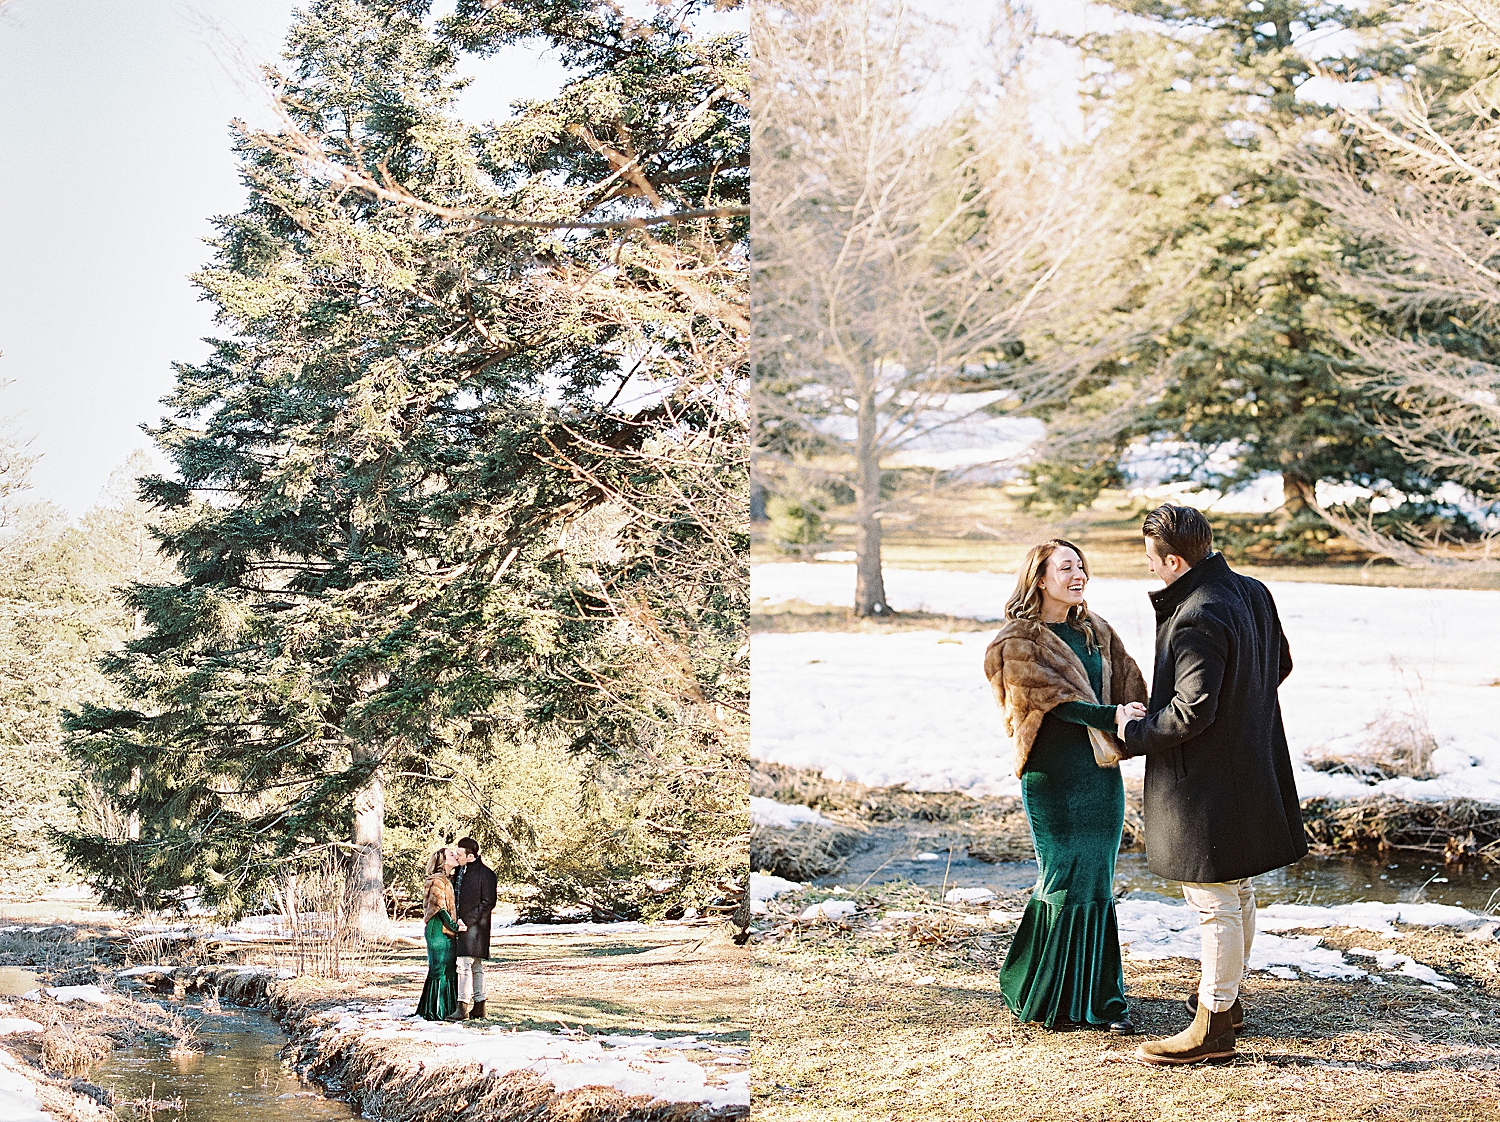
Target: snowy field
(914,708)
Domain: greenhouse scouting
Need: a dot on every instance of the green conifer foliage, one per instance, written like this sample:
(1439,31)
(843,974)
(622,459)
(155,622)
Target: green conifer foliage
(385,467)
(1245,362)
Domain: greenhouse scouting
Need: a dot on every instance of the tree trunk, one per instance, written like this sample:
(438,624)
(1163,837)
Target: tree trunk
(869,581)
(367,887)
(1295,489)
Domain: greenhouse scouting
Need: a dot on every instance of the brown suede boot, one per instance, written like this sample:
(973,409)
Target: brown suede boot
(477,1013)
(1236,1011)
(461,1013)
(1209,1037)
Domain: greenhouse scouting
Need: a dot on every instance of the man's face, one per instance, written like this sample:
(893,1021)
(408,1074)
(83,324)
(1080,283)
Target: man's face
(1168,568)
(464,856)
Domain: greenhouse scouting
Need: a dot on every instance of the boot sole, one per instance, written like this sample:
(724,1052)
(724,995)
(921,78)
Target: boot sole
(1151,1059)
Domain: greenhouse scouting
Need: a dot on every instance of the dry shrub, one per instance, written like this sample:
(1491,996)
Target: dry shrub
(804,853)
(1400,744)
(67,1050)
(1457,829)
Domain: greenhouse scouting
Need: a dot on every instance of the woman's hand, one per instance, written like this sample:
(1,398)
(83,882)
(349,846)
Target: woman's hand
(462,926)
(1124,714)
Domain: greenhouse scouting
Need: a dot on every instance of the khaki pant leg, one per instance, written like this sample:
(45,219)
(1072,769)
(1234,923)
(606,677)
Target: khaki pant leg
(1226,917)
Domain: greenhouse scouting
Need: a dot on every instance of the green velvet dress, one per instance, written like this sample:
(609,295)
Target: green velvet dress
(440,991)
(1064,962)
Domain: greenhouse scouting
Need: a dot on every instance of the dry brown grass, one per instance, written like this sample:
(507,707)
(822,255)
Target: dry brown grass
(847,1033)
(804,852)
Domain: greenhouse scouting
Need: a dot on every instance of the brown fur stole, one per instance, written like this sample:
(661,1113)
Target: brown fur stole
(438,897)
(1032,672)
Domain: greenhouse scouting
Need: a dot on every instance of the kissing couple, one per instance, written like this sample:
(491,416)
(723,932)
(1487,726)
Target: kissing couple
(1220,802)
(457,900)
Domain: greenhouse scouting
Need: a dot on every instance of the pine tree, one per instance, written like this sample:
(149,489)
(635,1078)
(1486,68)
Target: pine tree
(412,407)
(1245,363)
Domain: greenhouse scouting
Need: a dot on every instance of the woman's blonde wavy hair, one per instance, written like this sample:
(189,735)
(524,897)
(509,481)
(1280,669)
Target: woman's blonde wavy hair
(1026,601)
(435,862)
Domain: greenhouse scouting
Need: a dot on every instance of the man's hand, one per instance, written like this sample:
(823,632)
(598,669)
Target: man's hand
(1124,714)
(462,926)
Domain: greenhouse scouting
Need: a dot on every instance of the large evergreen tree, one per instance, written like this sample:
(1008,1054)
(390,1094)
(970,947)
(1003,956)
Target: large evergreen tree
(448,347)
(1245,364)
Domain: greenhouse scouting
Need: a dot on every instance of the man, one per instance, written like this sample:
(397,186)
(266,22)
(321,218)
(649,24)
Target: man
(474,886)
(1221,806)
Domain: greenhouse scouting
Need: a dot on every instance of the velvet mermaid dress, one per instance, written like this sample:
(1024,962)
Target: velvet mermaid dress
(1063,965)
(440,990)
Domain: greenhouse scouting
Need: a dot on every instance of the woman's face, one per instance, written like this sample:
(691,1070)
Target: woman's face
(1063,578)
(450,860)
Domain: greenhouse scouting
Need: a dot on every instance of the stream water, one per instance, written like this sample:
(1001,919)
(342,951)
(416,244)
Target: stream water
(1333,879)
(237,1075)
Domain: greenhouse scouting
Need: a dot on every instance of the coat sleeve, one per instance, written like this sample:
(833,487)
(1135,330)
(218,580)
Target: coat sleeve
(1285,655)
(1199,650)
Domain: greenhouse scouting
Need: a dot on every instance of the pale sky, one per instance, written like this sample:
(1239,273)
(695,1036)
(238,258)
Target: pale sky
(114,153)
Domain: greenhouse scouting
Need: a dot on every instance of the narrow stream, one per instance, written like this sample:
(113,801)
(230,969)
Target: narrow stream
(236,1075)
(894,854)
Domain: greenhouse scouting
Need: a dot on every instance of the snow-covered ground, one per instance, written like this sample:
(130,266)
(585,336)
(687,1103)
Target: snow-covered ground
(679,1069)
(914,708)
(18,1101)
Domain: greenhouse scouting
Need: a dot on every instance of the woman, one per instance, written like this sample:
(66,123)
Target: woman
(440,991)
(1061,677)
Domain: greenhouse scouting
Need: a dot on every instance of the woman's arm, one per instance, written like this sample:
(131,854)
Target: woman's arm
(1100,717)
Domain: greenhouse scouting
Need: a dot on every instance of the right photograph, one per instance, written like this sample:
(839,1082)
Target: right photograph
(1125,565)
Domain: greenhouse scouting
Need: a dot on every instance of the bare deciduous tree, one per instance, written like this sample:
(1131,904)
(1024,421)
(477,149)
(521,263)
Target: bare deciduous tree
(898,250)
(1417,192)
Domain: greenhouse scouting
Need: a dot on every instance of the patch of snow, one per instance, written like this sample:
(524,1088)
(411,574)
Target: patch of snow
(1364,915)
(769,812)
(18,1101)
(1404,964)
(679,1069)
(65,994)
(829,910)
(764,887)
(1000,915)
(968,896)
(1152,929)
(1283,972)
(9,1025)
(914,708)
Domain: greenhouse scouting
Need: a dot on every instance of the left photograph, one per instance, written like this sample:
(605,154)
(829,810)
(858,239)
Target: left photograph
(374,526)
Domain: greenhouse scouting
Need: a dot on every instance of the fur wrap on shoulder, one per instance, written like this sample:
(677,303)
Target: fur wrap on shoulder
(1032,672)
(438,897)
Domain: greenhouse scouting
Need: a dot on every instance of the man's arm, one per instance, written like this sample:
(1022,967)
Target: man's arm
(1199,650)
(1285,654)
(487,888)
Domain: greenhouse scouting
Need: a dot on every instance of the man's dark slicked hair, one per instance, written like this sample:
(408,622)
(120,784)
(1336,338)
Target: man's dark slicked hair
(468,844)
(1181,530)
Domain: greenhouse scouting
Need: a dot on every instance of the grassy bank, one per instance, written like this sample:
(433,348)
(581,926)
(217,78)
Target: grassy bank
(670,980)
(902,1019)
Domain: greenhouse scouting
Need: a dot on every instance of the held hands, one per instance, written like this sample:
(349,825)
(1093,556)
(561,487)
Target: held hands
(1124,714)
(462,926)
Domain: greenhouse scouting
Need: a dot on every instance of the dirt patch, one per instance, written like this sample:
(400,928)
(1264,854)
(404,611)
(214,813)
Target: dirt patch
(902,1019)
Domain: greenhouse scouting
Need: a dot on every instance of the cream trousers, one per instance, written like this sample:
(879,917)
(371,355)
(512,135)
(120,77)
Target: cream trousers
(470,979)
(1226,917)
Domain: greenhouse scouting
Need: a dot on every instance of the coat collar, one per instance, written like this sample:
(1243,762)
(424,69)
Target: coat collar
(1210,570)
